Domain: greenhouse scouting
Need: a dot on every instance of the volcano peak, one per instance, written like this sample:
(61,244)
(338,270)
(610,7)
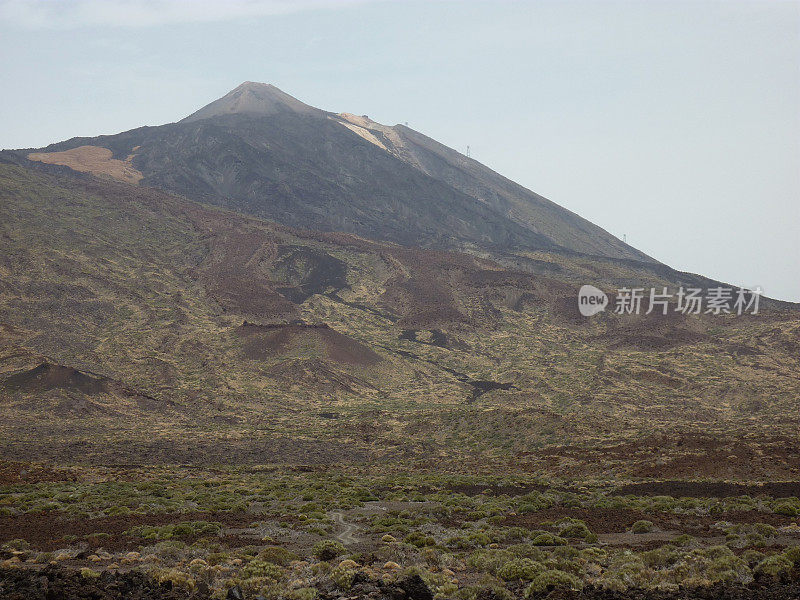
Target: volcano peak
(253,98)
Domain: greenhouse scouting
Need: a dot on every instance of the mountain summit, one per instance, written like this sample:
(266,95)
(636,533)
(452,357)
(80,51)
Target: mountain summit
(262,152)
(252,98)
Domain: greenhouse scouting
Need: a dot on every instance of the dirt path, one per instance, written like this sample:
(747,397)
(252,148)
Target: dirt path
(346,534)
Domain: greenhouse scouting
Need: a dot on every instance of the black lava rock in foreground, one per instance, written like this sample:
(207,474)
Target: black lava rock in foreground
(57,583)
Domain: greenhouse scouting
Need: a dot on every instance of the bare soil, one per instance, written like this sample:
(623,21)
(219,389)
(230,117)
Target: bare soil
(12,473)
(91,159)
(699,489)
(618,520)
(46,531)
(272,340)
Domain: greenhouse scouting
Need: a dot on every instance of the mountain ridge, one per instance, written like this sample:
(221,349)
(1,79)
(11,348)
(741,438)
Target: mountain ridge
(262,152)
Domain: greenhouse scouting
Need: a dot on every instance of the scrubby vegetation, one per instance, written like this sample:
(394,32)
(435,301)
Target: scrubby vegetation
(290,534)
(328,550)
(165,532)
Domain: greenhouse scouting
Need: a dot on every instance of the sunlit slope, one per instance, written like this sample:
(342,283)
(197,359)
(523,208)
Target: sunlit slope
(156,328)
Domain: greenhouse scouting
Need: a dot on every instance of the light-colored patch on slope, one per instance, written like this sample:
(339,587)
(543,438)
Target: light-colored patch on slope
(364,126)
(91,159)
(364,133)
(360,121)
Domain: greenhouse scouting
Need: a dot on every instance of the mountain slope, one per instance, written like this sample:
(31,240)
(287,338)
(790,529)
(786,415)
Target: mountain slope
(520,205)
(261,152)
(220,337)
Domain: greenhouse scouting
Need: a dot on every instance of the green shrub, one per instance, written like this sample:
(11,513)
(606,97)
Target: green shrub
(489,560)
(573,528)
(527,551)
(16,544)
(258,568)
(612,583)
(474,539)
(549,580)
(116,511)
(774,565)
(251,551)
(792,553)
(169,550)
(277,555)
(165,532)
(208,544)
(328,549)
(468,592)
(662,557)
(342,575)
(630,569)
(87,573)
(484,591)
(306,593)
(513,533)
(789,507)
(642,527)
(717,552)
(753,557)
(565,553)
(479,538)
(684,540)
(420,540)
(176,578)
(593,554)
(754,539)
(548,539)
(765,529)
(448,590)
(520,569)
(728,568)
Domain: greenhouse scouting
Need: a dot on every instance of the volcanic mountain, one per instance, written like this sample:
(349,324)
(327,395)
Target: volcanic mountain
(261,152)
(267,282)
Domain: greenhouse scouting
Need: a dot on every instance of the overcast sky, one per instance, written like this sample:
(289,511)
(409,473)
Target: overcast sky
(676,124)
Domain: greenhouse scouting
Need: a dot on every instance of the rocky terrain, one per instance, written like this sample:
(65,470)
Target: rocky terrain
(275,351)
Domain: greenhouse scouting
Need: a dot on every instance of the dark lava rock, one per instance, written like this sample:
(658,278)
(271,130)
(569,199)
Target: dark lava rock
(415,588)
(58,583)
(235,593)
(488,594)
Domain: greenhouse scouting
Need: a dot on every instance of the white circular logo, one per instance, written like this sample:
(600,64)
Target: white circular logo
(591,300)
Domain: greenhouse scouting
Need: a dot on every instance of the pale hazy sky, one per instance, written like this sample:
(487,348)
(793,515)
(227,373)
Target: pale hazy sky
(675,123)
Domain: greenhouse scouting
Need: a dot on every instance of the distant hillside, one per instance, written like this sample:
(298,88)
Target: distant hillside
(138,326)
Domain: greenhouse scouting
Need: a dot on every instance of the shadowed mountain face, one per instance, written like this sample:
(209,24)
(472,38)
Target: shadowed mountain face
(261,152)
